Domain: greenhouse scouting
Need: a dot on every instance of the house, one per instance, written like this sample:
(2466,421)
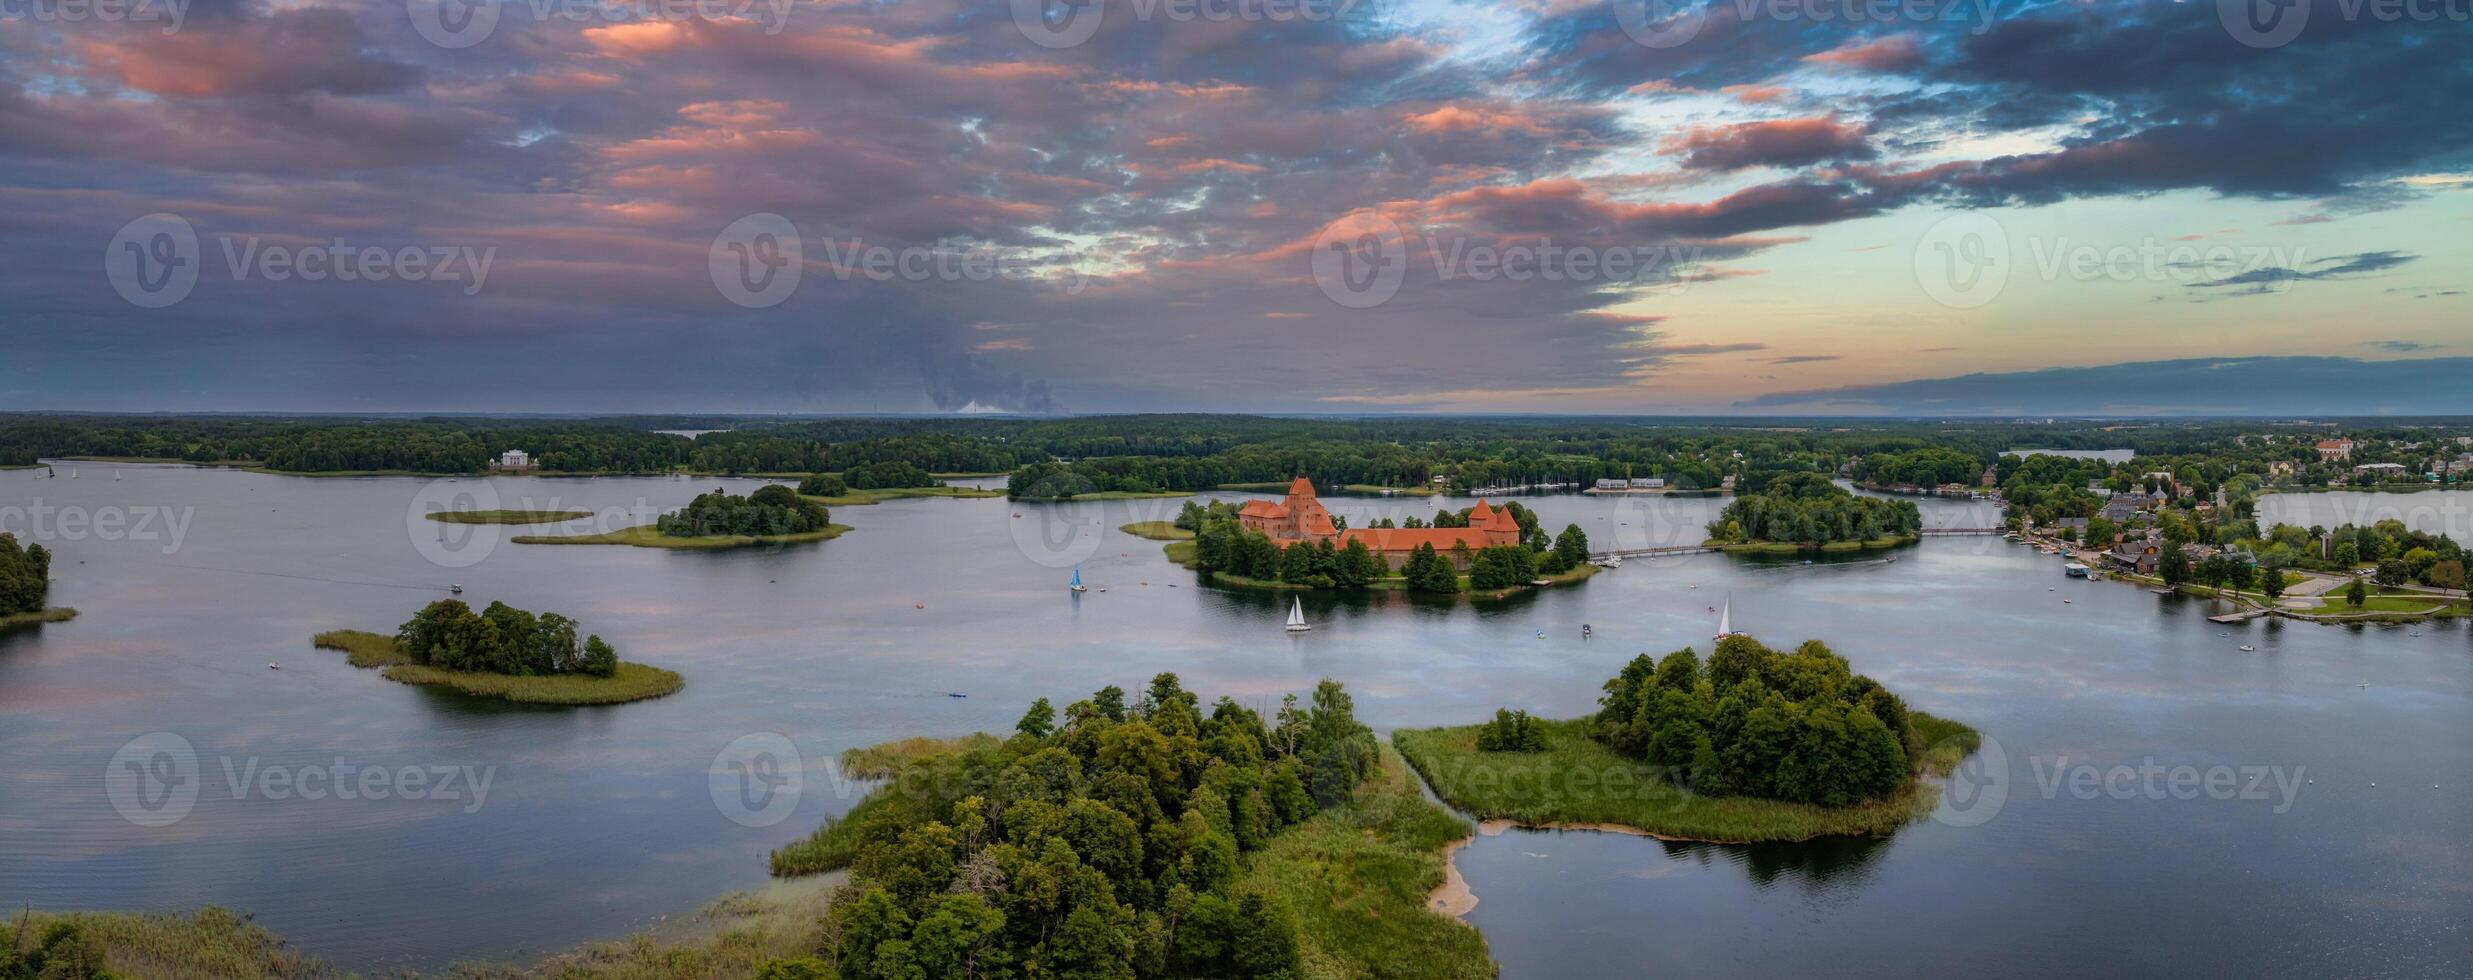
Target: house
(515,459)
(2381,469)
(2077,526)
(2330,450)
(1648,483)
(1301,518)
(2280,467)
(2123,507)
(2097,488)
(1728,483)
(1613,484)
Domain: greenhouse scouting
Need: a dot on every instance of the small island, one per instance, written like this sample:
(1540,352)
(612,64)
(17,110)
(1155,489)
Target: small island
(502,652)
(773,515)
(1754,745)
(1143,836)
(1482,551)
(507,516)
(1805,512)
(25,582)
(874,483)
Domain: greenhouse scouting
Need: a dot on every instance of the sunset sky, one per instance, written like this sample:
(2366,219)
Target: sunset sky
(2193,213)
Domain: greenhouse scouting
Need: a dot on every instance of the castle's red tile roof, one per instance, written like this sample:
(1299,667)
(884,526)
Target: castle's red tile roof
(1387,539)
(1263,508)
(1301,487)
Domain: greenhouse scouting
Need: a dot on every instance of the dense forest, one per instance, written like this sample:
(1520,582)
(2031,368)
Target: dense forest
(771,510)
(502,639)
(1107,843)
(1799,726)
(1808,509)
(25,576)
(1222,544)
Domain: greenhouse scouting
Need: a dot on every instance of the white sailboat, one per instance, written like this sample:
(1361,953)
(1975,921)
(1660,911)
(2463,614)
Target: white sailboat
(1725,620)
(1077,580)
(1296,616)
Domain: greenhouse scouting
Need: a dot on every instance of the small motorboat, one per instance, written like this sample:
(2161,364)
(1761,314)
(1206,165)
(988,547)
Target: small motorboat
(456,589)
(955,694)
(2246,648)
(274,666)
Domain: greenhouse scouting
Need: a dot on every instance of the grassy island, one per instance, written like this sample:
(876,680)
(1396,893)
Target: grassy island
(1159,531)
(1082,846)
(1801,512)
(53,614)
(1725,755)
(772,515)
(507,516)
(502,652)
(649,536)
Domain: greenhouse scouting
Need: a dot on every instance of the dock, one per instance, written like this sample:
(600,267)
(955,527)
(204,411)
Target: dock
(2239,616)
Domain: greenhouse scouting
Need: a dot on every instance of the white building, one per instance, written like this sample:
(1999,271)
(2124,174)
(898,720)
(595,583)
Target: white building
(1649,482)
(515,459)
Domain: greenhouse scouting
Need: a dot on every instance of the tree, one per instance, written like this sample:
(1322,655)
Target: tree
(2172,563)
(2355,593)
(1501,567)
(1511,731)
(2447,574)
(823,485)
(2391,572)
(2271,580)
(599,660)
(1428,571)
(1038,721)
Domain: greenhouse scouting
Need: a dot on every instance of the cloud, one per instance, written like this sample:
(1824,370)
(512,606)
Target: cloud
(1803,358)
(2402,346)
(1770,143)
(1897,52)
(2281,386)
(2269,278)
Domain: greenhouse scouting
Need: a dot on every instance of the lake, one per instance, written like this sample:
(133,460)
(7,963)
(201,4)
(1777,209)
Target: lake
(602,821)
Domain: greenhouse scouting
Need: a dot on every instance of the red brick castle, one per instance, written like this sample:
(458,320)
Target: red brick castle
(1300,517)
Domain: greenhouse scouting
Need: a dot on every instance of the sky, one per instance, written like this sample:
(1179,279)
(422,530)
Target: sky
(1551,206)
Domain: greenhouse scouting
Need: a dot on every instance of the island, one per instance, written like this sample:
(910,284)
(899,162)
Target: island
(507,516)
(1296,543)
(874,483)
(773,515)
(1754,745)
(502,652)
(25,583)
(1805,512)
(1144,839)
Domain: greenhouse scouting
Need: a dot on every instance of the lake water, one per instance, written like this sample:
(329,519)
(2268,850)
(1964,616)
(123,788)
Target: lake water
(602,821)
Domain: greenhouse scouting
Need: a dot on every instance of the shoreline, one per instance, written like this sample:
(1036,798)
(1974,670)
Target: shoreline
(648,536)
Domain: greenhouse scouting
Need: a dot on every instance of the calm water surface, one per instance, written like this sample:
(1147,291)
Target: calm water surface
(602,821)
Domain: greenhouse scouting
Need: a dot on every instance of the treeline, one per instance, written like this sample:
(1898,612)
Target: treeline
(1807,508)
(25,576)
(1107,843)
(771,510)
(1223,544)
(1799,726)
(502,639)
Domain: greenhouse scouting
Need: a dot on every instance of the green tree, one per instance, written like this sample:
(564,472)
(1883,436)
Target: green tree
(2356,594)
(1037,722)
(2172,563)
(823,485)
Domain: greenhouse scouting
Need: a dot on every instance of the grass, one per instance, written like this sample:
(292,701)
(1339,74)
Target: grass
(863,498)
(1945,742)
(1359,875)
(648,536)
(1157,531)
(1182,552)
(882,760)
(633,682)
(730,938)
(213,942)
(1579,782)
(507,516)
(55,614)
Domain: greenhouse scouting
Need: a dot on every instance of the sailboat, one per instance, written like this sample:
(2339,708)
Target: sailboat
(1077,585)
(1296,616)
(1725,620)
